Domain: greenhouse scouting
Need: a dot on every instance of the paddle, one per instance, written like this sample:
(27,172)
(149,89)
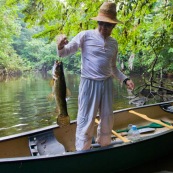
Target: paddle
(116,134)
(152,125)
(150,119)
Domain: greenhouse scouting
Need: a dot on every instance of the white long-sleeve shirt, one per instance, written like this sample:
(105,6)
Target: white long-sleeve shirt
(98,55)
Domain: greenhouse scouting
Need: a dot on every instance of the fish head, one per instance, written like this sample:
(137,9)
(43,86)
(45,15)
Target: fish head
(57,69)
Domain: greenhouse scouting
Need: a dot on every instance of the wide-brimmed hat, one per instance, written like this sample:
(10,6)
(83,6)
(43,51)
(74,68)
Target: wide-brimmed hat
(107,13)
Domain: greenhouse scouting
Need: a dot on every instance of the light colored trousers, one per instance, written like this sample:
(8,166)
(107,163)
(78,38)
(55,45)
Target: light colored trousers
(94,97)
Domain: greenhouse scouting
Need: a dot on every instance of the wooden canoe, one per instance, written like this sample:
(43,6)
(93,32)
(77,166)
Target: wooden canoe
(52,149)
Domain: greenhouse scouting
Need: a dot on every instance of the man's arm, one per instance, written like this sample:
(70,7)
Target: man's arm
(65,48)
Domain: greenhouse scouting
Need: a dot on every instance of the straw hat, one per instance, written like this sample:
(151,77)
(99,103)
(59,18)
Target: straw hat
(107,13)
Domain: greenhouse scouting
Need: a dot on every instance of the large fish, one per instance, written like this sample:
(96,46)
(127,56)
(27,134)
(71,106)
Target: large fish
(59,91)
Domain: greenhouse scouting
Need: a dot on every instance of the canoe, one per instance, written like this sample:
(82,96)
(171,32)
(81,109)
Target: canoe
(52,149)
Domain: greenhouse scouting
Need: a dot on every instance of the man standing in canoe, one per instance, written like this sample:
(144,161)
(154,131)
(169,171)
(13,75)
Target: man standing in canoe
(99,54)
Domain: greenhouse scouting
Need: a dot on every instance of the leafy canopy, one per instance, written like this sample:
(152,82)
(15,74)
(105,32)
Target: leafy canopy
(147,28)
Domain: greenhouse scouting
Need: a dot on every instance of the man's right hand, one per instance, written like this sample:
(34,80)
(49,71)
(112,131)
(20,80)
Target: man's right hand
(61,41)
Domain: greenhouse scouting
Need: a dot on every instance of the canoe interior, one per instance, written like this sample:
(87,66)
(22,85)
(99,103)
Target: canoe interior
(123,118)
(18,146)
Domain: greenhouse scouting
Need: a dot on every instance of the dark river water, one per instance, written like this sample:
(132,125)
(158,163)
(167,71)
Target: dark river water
(26,103)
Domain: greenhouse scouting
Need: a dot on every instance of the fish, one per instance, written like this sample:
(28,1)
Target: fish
(59,92)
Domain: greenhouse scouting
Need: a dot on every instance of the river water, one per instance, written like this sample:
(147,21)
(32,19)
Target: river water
(26,104)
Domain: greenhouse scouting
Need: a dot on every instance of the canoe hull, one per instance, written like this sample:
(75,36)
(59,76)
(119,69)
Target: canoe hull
(105,160)
(110,159)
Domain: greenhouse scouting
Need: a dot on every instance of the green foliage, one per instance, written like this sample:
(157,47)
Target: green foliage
(9,26)
(147,24)
(36,51)
(147,30)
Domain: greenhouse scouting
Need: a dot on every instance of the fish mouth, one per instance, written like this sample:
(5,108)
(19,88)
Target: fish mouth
(58,62)
(63,121)
(56,69)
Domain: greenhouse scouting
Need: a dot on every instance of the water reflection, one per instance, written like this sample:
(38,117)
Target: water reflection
(24,103)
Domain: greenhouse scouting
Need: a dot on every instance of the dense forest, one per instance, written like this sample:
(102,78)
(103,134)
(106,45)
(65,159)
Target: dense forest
(28,31)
